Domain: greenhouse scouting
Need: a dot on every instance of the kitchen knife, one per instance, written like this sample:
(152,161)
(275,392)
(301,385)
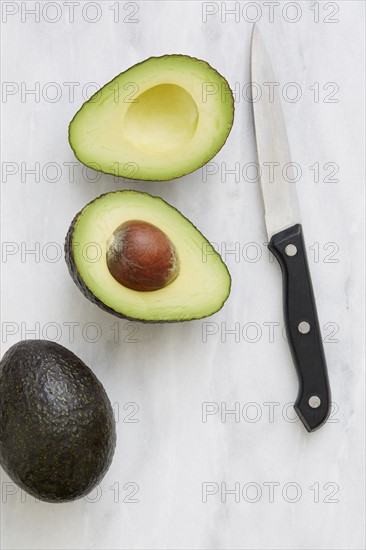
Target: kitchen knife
(286,242)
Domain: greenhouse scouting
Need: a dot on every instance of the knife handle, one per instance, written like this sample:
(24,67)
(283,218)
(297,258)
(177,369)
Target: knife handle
(302,327)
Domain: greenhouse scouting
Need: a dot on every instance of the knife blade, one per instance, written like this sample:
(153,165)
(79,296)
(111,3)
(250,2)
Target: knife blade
(286,242)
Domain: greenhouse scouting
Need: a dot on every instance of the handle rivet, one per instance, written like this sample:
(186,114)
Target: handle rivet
(314,401)
(303,327)
(291,250)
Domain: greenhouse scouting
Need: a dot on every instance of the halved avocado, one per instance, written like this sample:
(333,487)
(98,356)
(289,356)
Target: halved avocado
(158,120)
(140,238)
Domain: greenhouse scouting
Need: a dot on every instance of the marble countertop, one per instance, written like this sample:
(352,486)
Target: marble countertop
(210,453)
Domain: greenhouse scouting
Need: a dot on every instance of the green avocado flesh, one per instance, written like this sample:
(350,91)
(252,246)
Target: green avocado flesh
(160,119)
(57,429)
(200,287)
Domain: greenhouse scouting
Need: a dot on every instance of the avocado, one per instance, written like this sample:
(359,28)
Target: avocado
(158,120)
(137,257)
(57,430)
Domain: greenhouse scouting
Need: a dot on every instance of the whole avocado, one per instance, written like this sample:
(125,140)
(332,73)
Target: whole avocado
(57,429)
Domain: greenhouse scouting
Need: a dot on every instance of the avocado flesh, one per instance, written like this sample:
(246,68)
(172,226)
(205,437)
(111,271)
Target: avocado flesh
(57,430)
(203,282)
(159,120)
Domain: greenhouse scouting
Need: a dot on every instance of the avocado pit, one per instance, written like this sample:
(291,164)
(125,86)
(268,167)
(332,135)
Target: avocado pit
(142,257)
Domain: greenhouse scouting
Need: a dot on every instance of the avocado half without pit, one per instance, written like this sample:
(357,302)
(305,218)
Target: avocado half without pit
(137,257)
(158,120)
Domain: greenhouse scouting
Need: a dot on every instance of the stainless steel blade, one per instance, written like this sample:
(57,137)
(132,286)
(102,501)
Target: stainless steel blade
(277,180)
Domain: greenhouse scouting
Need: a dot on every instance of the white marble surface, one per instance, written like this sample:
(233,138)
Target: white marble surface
(169,371)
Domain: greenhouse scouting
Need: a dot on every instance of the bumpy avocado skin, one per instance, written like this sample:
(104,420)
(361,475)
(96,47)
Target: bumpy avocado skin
(78,280)
(57,429)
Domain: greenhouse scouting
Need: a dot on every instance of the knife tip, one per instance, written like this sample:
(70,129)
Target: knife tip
(254,40)
(255,33)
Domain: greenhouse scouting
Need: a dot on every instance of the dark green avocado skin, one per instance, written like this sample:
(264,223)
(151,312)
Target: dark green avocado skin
(57,429)
(78,280)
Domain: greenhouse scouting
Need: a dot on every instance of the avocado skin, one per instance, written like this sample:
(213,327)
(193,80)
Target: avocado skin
(57,429)
(78,280)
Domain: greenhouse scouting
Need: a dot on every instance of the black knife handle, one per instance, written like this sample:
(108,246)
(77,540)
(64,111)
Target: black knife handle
(302,327)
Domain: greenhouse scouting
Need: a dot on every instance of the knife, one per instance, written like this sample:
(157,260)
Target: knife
(286,242)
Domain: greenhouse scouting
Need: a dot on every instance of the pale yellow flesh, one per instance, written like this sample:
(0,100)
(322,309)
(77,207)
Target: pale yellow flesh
(155,125)
(203,283)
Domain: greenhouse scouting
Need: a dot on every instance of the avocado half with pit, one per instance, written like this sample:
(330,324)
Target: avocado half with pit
(137,257)
(158,120)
